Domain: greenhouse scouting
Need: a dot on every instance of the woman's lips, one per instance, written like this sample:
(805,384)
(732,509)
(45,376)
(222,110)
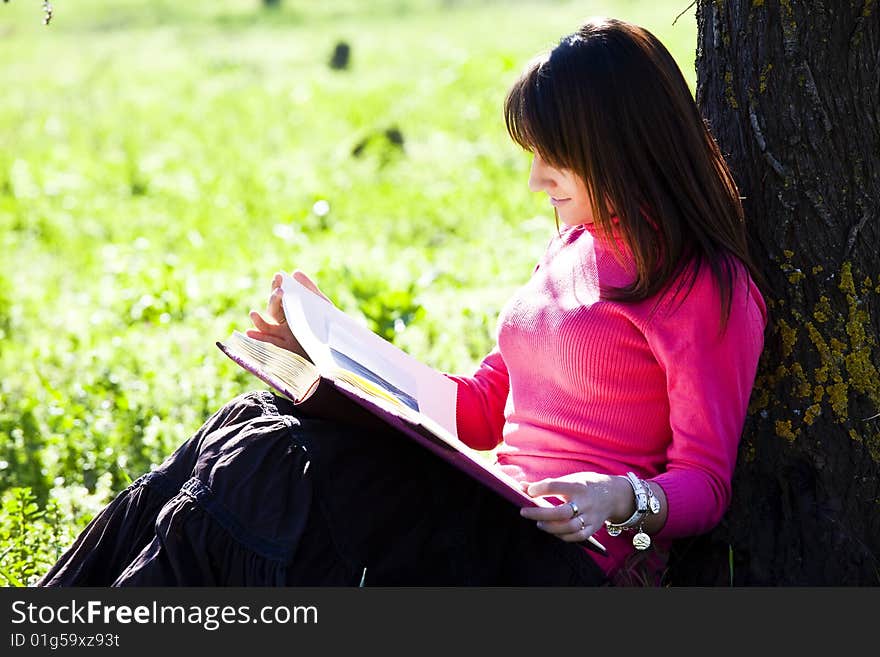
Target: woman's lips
(556,202)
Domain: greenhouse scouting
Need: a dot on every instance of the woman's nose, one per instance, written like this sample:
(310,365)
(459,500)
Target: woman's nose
(539,175)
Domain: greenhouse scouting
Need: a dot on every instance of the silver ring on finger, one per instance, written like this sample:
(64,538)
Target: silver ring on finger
(574,509)
(583,522)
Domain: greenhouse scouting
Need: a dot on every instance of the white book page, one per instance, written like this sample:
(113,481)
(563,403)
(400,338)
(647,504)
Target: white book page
(333,339)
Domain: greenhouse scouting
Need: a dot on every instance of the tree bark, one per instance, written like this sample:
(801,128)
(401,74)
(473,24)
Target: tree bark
(791,91)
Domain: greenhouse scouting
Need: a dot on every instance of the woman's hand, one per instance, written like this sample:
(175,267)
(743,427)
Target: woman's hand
(591,498)
(272,327)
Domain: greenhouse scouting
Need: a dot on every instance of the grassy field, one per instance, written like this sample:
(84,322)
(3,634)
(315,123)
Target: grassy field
(159,161)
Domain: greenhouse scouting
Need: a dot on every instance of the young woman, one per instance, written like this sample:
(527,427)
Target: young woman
(648,324)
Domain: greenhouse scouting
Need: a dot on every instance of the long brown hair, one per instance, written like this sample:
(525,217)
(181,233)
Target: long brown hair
(610,103)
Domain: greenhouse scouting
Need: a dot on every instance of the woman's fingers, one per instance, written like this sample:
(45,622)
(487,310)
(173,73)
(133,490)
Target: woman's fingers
(585,507)
(574,529)
(555,514)
(579,535)
(272,326)
(303,278)
(280,331)
(274,307)
(554,487)
(569,532)
(268,337)
(571,520)
(569,529)
(278,334)
(261,324)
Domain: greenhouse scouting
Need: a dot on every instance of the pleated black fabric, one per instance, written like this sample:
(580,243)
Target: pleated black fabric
(262,497)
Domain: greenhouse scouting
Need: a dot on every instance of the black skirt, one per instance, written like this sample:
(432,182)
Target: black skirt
(262,497)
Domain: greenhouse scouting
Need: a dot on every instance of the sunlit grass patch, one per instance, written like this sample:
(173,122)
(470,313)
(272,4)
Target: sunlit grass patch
(159,161)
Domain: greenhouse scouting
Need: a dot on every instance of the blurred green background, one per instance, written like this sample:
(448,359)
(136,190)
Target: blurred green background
(160,160)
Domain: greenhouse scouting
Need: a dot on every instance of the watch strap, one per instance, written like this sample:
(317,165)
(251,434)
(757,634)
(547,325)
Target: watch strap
(642,508)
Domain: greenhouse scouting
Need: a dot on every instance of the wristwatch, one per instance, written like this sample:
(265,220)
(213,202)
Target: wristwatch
(642,494)
(653,501)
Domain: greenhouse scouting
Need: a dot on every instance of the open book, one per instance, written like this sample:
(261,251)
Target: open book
(356,376)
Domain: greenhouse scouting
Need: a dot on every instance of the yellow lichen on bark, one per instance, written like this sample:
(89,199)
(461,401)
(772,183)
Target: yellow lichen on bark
(789,25)
(802,386)
(812,413)
(762,79)
(728,90)
(822,312)
(788,336)
(863,375)
(784,430)
(839,373)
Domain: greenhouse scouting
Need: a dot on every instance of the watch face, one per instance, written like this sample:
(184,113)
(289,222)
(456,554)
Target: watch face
(655,505)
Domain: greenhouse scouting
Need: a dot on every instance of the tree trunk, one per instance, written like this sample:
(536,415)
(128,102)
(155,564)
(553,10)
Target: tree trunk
(791,91)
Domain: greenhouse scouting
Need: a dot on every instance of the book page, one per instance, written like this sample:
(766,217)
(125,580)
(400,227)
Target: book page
(334,340)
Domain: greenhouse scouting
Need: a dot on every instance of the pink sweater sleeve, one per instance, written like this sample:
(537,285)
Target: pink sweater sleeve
(480,403)
(709,379)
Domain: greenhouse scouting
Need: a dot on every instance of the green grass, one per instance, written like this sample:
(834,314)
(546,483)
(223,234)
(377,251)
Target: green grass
(159,161)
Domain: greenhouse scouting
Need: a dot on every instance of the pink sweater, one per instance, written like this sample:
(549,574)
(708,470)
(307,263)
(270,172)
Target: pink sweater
(576,384)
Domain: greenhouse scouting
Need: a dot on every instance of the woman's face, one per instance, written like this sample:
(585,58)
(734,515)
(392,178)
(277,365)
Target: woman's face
(567,192)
